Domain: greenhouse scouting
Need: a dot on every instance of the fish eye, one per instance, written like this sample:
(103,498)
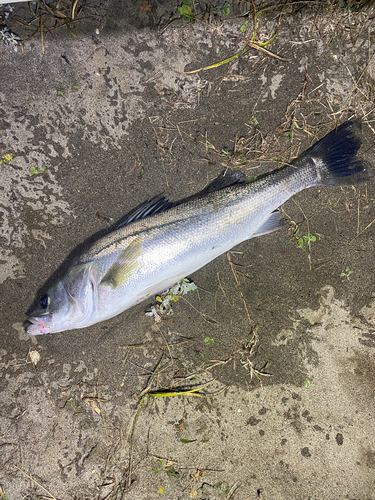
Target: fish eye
(44,301)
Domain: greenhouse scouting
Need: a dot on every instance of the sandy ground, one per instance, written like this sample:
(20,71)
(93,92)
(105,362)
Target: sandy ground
(284,336)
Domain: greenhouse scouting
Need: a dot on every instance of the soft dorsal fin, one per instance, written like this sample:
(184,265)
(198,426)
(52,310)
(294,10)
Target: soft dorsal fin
(224,180)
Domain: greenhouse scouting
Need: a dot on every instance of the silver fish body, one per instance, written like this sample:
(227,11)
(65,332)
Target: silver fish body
(151,254)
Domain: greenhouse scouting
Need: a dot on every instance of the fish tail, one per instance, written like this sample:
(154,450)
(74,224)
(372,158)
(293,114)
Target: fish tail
(335,157)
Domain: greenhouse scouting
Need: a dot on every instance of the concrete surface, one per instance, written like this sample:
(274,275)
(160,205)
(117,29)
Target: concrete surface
(114,121)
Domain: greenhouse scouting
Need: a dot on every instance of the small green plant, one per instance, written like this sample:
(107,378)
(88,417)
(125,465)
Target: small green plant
(244,27)
(225,10)
(174,473)
(304,240)
(186,9)
(224,487)
(346,273)
(208,341)
(290,132)
(161,466)
(60,92)
(34,171)
(203,362)
(307,383)
(253,121)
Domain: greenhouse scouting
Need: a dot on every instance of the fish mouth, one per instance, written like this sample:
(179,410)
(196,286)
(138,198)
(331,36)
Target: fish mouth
(39,325)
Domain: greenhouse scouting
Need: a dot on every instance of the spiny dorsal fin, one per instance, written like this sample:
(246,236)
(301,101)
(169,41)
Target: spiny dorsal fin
(157,204)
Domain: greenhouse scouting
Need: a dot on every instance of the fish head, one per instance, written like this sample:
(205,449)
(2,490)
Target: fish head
(70,303)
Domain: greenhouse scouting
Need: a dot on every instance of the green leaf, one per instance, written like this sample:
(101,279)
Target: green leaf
(161,466)
(186,11)
(307,383)
(244,27)
(34,171)
(306,238)
(174,473)
(60,92)
(188,287)
(188,441)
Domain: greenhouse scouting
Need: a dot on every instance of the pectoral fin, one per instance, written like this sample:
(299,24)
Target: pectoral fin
(273,223)
(125,266)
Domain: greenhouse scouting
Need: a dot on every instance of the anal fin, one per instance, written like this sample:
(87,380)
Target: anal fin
(273,223)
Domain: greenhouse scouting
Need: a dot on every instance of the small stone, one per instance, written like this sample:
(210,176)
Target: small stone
(305,452)
(339,439)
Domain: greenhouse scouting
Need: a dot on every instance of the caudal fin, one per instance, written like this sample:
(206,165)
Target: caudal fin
(335,156)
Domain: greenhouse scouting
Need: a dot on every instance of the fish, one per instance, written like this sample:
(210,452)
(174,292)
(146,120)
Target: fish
(160,243)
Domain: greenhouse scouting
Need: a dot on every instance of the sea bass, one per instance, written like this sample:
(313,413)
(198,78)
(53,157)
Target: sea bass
(161,243)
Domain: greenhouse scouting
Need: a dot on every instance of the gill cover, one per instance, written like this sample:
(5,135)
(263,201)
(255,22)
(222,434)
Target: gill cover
(81,288)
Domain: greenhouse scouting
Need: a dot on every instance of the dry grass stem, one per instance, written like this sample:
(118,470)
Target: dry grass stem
(36,482)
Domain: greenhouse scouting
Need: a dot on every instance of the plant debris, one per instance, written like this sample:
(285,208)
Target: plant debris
(165,300)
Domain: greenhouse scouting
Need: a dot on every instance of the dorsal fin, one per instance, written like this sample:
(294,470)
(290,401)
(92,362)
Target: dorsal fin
(157,204)
(225,179)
